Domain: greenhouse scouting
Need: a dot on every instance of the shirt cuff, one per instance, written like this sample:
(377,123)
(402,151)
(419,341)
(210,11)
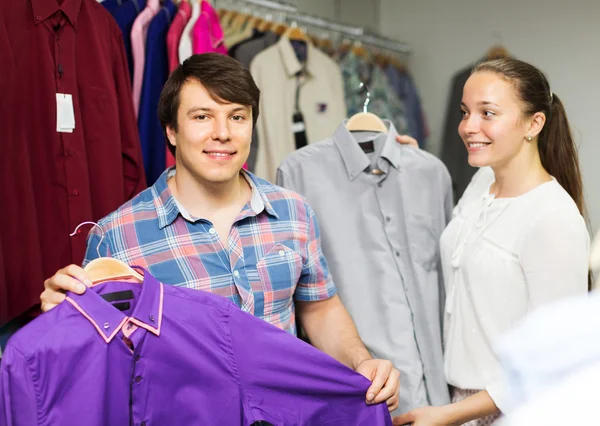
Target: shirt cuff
(497,391)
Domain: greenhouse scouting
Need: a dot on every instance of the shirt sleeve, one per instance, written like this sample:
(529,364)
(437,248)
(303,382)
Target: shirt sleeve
(296,383)
(17,394)
(315,282)
(554,257)
(497,391)
(133,167)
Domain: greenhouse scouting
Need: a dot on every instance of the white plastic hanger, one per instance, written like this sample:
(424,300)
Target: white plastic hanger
(107,268)
(366,121)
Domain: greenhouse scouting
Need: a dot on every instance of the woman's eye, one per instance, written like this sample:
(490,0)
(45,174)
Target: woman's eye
(489,113)
(200,117)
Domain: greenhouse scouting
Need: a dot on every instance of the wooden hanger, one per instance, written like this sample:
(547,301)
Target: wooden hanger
(359,50)
(254,22)
(107,268)
(228,17)
(381,59)
(497,52)
(325,44)
(279,29)
(239,21)
(264,26)
(296,33)
(366,121)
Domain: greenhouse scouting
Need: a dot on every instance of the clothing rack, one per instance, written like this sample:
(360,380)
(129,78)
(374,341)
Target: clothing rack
(293,16)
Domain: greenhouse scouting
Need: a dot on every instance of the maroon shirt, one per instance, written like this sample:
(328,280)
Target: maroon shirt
(50,181)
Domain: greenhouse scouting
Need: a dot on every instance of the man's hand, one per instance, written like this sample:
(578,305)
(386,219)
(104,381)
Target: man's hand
(424,416)
(407,140)
(72,278)
(385,381)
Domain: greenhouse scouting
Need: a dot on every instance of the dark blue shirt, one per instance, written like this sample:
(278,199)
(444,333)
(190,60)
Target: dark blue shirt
(156,72)
(112,5)
(125,16)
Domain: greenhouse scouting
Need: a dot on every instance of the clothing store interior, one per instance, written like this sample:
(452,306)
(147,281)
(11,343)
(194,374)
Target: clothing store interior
(317,212)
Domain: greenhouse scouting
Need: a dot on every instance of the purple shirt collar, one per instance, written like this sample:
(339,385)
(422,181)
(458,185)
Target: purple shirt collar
(108,320)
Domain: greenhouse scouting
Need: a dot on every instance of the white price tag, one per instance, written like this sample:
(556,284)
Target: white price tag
(298,127)
(65,116)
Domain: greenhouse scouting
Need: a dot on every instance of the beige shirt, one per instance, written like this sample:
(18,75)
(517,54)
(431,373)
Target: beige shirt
(321,101)
(501,259)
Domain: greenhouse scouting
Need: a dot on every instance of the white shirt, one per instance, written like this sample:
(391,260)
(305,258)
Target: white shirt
(501,259)
(321,101)
(185,44)
(595,260)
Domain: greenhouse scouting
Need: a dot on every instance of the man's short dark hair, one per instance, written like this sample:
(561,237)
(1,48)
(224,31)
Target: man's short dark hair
(225,79)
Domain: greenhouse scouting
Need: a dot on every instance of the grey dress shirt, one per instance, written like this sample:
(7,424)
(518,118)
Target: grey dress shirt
(381,217)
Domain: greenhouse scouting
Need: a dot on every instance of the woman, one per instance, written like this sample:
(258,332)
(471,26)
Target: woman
(518,238)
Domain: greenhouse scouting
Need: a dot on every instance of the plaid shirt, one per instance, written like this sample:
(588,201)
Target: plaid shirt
(274,255)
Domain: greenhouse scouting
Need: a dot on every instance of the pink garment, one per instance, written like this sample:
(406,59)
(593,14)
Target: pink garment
(207,35)
(138,48)
(175,32)
(173,38)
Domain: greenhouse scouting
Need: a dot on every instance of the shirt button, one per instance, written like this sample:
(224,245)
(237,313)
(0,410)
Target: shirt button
(397,254)
(143,424)
(75,192)
(129,326)
(138,379)
(281,253)
(380,184)
(388,219)
(236,274)
(212,231)
(151,317)
(106,325)
(38,18)
(136,358)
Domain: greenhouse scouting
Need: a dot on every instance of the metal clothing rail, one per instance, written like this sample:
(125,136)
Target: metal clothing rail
(291,13)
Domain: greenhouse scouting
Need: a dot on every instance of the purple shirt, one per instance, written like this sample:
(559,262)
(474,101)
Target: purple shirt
(176,357)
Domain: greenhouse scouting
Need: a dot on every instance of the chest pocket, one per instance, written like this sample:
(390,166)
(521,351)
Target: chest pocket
(279,272)
(423,240)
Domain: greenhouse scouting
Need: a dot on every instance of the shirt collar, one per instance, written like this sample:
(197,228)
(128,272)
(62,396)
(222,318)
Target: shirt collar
(168,208)
(43,9)
(290,61)
(259,200)
(355,160)
(108,320)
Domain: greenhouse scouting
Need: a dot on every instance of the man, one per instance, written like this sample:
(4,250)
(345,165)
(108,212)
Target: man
(207,224)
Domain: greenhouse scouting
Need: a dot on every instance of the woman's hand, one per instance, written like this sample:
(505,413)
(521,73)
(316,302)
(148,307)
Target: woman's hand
(407,140)
(425,416)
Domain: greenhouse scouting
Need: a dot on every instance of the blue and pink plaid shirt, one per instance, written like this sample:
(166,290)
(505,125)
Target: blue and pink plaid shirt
(274,255)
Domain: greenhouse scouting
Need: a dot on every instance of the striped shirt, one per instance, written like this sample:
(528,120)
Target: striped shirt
(274,255)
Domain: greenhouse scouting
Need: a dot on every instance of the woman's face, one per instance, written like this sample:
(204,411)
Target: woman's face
(492,127)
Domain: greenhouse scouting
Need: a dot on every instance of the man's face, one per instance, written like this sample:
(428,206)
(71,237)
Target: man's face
(213,139)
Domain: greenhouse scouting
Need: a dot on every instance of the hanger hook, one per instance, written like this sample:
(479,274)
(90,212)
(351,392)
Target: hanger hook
(101,233)
(368,99)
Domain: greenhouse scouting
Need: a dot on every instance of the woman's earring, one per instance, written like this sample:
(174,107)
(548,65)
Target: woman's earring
(529,138)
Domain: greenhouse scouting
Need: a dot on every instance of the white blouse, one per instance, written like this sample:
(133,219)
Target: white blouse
(502,258)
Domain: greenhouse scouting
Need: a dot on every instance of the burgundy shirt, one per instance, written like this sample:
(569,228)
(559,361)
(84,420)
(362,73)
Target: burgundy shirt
(50,181)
